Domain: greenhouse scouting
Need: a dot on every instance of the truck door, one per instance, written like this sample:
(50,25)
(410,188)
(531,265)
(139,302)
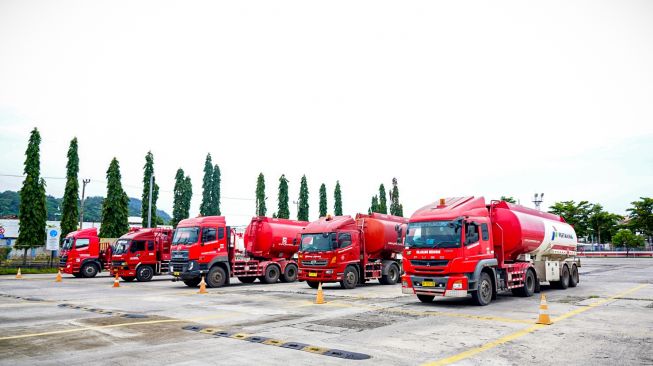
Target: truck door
(346,252)
(472,242)
(136,249)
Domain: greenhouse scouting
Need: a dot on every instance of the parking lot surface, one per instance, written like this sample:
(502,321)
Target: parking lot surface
(607,319)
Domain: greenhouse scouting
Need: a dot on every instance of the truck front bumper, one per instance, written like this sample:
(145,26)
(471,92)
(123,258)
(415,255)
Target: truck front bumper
(318,274)
(448,286)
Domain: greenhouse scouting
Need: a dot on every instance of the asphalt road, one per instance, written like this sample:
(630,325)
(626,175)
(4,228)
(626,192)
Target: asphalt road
(606,320)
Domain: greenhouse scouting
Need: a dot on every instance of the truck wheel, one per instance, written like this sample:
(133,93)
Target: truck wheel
(426,298)
(529,286)
(564,278)
(127,279)
(216,277)
(392,277)
(573,279)
(349,278)
(483,295)
(144,273)
(313,284)
(272,274)
(89,270)
(193,282)
(247,279)
(290,274)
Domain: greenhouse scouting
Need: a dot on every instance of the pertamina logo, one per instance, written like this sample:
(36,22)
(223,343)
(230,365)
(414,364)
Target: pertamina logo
(557,234)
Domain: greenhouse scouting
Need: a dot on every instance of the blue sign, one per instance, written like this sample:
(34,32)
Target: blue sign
(53,233)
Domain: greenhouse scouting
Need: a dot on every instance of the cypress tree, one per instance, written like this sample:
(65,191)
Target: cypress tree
(260,196)
(337,196)
(302,213)
(383,205)
(396,208)
(32,212)
(215,191)
(375,205)
(283,209)
(323,200)
(188,195)
(207,185)
(179,198)
(115,208)
(69,205)
(148,171)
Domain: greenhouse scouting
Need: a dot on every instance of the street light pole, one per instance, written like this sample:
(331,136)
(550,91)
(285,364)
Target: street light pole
(81,213)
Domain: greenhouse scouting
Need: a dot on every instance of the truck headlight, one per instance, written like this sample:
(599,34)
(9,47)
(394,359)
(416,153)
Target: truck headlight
(328,271)
(124,263)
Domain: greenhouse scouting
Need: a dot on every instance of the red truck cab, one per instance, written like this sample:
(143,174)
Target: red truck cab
(142,254)
(83,254)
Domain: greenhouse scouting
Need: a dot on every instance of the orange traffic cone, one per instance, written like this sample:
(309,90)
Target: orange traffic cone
(202,287)
(319,299)
(18,275)
(58,279)
(116,283)
(544,313)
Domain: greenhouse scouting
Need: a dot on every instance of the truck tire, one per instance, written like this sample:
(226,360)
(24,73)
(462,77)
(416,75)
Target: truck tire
(216,277)
(313,284)
(290,274)
(573,278)
(89,270)
(349,278)
(392,277)
(564,278)
(127,279)
(192,282)
(529,286)
(247,279)
(426,298)
(272,274)
(144,274)
(483,295)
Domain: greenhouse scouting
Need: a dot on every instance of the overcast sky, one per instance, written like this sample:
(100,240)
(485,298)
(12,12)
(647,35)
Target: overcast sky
(452,98)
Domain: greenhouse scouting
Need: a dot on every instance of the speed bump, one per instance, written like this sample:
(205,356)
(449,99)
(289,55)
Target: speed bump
(274,342)
(210,330)
(241,336)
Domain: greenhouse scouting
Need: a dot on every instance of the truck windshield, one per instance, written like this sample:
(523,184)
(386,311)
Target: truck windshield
(434,234)
(186,235)
(317,242)
(67,243)
(121,246)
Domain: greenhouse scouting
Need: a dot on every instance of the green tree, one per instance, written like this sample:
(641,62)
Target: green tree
(261,210)
(32,212)
(396,208)
(323,200)
(115,208)
(375,205)
(148,172)
(207,186)
(383,205)
(302,213)
(337,198)
(179,206)
(508,199)
(283,211)
(575,214)
(70,208)
(628,239)
(215,191)
(641,216)
(188,196)
(603,225)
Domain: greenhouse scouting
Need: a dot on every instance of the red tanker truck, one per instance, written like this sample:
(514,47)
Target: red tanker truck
(142,254)
(351,251)
(84,254)
(459,246)
(206,246)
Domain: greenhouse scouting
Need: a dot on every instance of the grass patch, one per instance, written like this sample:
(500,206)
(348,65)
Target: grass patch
(594,297)
(12,271)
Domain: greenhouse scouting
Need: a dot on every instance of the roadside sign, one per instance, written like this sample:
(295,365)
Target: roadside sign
(52,242)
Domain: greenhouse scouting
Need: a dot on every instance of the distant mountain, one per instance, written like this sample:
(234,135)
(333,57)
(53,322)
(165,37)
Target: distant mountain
(10,202)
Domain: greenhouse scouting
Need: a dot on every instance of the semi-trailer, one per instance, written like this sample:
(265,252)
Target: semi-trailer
(461,246)
(84,254)
(142,254)
(206,246)
(352,250)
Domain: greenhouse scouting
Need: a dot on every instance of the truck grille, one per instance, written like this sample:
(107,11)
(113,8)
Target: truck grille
(315,263)
(177,265)
(63,260)
(429,263)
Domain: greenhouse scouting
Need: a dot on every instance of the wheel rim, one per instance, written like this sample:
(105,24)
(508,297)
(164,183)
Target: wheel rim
(146,272)
(89,270)
(530,283)
(393,275)
(217,277)
(485,291)
(272,273)
(291,272)
(350,278)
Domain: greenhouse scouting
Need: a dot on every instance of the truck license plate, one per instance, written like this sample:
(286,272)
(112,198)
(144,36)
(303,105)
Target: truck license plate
(312,274)
(428,284)
(175,273)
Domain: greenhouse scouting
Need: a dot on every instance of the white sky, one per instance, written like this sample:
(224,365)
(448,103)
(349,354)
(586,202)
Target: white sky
(452,98)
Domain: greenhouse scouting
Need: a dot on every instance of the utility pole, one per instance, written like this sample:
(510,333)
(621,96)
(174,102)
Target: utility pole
(537,200)
(149,208)
(296,203)
(81,211)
